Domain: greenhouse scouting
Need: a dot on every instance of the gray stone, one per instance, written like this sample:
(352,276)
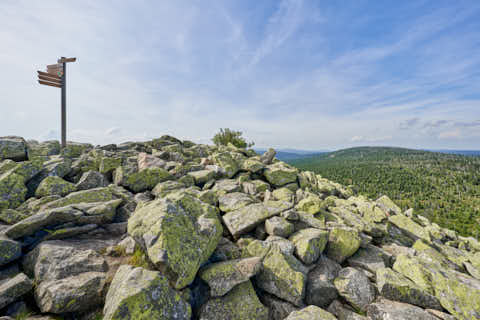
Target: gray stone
(9,251)
(246,219)
(234,201)
(278,226)
(240,303)
(311,313)
(386,310)
(309,244)
(354,286)
(140,294)
(223,276)
(14,288)
(179,234)
(14,148)
(395,286)
(90,180)
(320,288)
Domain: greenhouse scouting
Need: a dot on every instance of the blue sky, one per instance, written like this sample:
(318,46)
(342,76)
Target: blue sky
(305,74)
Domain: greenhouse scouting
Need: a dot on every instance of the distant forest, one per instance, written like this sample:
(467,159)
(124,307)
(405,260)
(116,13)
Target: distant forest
(443,187)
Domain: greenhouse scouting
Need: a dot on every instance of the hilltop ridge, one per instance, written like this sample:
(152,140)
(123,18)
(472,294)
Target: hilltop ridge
(443,187)
(169,229)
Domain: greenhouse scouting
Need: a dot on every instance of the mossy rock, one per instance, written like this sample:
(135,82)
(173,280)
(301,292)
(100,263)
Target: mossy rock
(140,294)
(12,190)
(241,303)
(223,276)
(9,251)
(395,286)
(309,244)
(311,204)
(279,174)
(143,180)
(227,162)
(51,186)
(179,233)
(282,274)
(342,243)
(85,196)
(311,313)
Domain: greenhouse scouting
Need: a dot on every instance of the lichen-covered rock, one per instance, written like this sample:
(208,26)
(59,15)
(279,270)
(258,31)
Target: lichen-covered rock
(252,165)
(84,196)
(80,214)
(68,279)
(11,216)
(45,148)
(320,288)
(342,243)
(241,303)
(284,194)
(14,148)
(354,286)
(227,162)
(246,219)
(223,276)
(73,294)
(91,180)
(409,227)
(282,275)
(278,226)
(309,244)
(369,258)
(9,251)
(311,313)
(386,310)
(311,204)
(143,180)
(54,186)
(14,288)
(234,201)
(75,149)
(343,312)
(179,235)
(395,286)
(388,205)
(12,190)
(202,176)
(163,188)
(279,174)
(457,292)
(140,294)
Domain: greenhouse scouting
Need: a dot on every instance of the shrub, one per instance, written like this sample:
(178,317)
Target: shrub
(226,136)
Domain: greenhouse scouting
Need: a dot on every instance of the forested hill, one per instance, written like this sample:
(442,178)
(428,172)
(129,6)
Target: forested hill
(443,187)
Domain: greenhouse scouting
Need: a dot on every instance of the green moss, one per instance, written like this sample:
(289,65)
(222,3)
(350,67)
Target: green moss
(146,179)
(12,190)
(343,243)
(54,186)
(138,259)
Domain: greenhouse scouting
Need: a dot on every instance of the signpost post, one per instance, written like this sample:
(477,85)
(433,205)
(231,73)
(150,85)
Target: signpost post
(56,76)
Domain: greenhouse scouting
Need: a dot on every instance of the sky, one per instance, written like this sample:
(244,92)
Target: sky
(303,74)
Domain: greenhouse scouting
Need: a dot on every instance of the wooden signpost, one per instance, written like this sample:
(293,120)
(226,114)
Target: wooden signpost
(56,76)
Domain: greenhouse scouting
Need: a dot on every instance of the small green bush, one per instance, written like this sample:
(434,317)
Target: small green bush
(226,136)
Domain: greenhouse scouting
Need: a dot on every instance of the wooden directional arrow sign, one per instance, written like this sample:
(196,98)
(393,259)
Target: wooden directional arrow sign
(51,84)
(62,60)
(50,79)
(56,76)
(49,75)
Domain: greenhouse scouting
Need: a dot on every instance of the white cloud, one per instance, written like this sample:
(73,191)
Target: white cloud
(283,72)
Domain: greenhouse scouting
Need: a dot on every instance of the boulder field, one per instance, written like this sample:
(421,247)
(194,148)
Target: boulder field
(169,229)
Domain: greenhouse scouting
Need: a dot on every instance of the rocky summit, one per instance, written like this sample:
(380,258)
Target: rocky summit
(169,229)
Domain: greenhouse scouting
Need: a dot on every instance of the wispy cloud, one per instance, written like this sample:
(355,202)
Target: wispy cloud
(290,73)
